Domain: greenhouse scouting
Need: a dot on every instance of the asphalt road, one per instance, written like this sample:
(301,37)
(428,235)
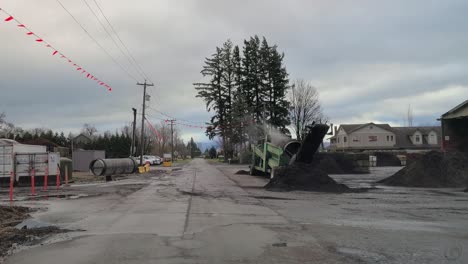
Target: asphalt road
(206,214)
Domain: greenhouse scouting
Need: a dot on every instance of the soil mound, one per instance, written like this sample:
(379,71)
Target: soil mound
(9,235)
(302,176)
(336,163)
(11,215)
(433,169)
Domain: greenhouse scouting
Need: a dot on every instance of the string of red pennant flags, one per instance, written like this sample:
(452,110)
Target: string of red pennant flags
(155,131)
(55,52)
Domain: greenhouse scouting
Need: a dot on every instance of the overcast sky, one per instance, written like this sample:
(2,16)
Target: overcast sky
(368,59)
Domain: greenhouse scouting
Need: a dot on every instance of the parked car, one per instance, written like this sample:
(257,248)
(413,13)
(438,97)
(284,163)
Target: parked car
(146,159)
(152,160)
(156,160)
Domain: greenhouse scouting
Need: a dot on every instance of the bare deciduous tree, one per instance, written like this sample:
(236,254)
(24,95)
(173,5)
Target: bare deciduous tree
(305,107)
(7,129)
(89,129)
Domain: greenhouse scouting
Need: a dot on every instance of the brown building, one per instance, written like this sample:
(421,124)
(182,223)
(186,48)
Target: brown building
(455,128)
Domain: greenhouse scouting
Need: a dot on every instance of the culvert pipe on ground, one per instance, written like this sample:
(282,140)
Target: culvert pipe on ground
(108,167)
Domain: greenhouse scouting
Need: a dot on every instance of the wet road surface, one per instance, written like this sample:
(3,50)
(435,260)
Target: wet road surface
(206,214)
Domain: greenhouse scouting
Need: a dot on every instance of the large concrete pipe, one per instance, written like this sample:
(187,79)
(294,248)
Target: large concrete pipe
(107,167)
(291,148)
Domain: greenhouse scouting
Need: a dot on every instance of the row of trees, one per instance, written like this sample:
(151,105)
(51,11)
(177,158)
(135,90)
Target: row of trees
(251,86)
(116,144)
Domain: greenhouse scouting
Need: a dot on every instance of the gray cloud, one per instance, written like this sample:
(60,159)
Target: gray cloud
(369,60)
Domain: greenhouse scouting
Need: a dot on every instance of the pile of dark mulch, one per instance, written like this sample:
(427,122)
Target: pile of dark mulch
(433,169)
(386,159)
(336,163)
(303,176)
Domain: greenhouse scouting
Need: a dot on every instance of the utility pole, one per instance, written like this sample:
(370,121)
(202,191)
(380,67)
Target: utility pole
(143,121)
(172,138)
(133,133)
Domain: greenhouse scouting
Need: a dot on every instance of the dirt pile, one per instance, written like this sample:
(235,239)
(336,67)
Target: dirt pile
(433,169)
(10,236)
(303,176)
(242,172)
(337,163)
(10,216)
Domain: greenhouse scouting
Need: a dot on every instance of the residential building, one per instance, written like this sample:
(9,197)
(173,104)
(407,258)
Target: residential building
(80,141)
(383,137)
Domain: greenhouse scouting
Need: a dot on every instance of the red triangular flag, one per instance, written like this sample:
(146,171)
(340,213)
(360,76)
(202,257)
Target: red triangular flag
(87,76)
(9,18)
(55,52)
(39,40)
(21,26)
(29,33)
(78,69)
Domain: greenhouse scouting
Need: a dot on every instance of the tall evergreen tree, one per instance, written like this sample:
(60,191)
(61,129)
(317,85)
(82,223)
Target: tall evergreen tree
(243,88)
(212,92)
(252,86)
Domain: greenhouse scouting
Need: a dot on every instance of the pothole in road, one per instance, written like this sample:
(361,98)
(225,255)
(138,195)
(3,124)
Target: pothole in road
(191,193)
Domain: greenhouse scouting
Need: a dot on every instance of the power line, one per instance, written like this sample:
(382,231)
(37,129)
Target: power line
(95,41)
(110,36)
(161,113)
(172,117)
(120,40)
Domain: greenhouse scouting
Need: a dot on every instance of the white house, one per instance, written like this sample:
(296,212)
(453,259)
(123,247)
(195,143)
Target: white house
(370,136)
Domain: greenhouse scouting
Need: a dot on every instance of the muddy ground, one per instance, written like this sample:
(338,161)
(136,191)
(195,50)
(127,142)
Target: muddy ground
(11,237)
(209,214)
(83,187)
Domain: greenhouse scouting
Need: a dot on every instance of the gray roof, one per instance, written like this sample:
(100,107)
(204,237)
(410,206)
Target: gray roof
(403,134)
(6,141)
(452,113)
(349,128)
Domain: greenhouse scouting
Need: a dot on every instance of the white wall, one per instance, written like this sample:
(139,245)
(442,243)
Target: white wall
(371,136)
(432,138)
